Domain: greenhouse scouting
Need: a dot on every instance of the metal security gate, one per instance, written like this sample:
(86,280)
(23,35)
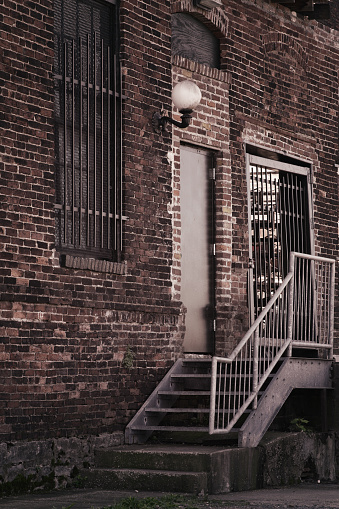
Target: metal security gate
(279,219)
(88,104)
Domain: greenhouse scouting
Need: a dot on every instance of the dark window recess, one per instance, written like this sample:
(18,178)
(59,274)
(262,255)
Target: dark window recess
(88,129)
(193,40)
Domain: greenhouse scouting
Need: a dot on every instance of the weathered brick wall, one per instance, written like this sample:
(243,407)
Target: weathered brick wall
(81,348)
(283,97)
(27,214)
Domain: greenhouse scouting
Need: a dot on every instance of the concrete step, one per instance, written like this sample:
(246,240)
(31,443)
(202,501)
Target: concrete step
(147,480)
(166,458)
(173,468)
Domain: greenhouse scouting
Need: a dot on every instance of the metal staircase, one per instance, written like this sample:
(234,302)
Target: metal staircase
(182,395)
(244,392)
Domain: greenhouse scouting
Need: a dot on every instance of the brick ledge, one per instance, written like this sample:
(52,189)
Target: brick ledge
(82,263)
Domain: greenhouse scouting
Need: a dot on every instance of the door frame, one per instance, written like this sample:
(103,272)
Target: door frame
(212,280)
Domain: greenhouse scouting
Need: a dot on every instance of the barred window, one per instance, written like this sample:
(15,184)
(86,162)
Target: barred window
(88,129)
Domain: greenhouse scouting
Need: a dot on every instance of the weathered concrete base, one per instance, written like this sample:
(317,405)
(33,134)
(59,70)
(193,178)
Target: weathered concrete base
(280,459)
(103,462)
(49,464)
(291,457)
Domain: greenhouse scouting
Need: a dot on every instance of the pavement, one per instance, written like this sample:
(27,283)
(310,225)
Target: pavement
(303,496)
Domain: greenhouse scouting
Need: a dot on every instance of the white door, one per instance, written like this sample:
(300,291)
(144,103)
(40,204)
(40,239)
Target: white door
(197,288)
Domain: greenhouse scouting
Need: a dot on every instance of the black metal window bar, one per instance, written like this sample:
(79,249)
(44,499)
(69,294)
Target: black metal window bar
(88,105)
(280,224)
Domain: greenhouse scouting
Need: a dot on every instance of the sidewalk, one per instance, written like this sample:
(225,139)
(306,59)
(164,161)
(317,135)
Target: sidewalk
(308,496)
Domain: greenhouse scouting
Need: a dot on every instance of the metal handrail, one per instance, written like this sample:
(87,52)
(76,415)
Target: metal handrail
(305,295)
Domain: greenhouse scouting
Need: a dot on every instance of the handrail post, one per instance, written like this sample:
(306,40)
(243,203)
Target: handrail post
(213,394)
(255,367)
(291,305)
(331,310)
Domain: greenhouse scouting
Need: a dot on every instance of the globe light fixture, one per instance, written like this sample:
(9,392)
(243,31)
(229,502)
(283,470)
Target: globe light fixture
(186,96)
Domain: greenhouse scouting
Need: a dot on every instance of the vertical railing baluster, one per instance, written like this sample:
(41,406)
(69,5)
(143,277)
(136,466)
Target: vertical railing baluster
(108,148)
(254,271)
(327,305)
(298,228)
(268,240)
(102,144)
(219,394)
(308,299)
(292,212)
(264,301)
(302,219)
(115,212)
(230,374)
(290,228)
(95,139)
(255,365)
(299,294)
(65,145)
(320,301)
(272,237)
(213,395)
(73,145)
(88,143)
(120,164)
(331,310)
(224,391)
(80,142)
(291,304)
(328,299)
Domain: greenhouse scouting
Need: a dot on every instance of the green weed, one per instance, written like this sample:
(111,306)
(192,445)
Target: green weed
(128,360)
(300,424)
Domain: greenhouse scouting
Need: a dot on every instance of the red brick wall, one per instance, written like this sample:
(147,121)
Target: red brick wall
(282,97)
(65,331)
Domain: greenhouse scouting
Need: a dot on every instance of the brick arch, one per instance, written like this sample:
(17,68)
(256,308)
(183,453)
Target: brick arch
(275,42)
(215,19)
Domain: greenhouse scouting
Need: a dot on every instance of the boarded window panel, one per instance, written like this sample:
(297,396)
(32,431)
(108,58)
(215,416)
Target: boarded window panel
(193,40)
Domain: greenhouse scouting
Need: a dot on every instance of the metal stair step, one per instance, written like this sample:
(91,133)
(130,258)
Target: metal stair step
(201,429)
(184,393)
(177,410)
(174,410)
(196,360)
(191,375)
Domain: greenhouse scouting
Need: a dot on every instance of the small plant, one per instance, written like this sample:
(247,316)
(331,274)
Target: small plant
(300,424)
(79,481)
(127,361)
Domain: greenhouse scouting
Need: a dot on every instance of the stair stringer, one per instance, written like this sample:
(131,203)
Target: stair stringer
(134,434)
(294,373)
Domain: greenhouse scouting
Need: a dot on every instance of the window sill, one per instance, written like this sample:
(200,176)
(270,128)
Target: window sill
(82,263)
